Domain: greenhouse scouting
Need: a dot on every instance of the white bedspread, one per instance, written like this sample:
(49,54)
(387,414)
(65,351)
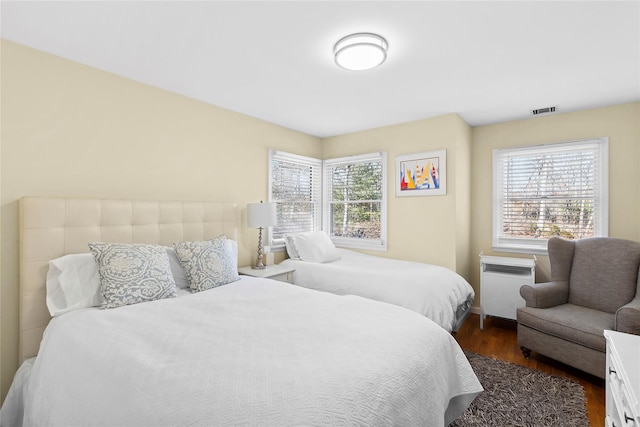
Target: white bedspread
(252,353)
(430,290)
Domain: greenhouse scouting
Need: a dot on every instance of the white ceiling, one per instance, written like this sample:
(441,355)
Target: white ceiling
(487,61)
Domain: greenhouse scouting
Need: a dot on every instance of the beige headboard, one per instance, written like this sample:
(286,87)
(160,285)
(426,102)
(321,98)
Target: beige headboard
(51,228)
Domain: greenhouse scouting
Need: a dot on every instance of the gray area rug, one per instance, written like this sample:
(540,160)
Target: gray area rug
(519,396)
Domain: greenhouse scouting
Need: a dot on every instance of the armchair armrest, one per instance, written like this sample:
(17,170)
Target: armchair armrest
(545,295)
(628,317)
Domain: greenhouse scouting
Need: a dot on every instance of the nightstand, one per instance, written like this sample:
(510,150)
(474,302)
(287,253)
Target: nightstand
(275,272)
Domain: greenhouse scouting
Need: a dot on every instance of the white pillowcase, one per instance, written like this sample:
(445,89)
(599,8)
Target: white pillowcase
(291,247)
(232,247)
(73,283)
(315,246)
(176,269)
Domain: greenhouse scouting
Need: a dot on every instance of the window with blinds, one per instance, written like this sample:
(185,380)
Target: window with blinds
(549,190)
(295,185)
(355,200)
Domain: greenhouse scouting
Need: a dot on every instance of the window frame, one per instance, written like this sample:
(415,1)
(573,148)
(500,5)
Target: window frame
(353,242)
(277,244)
(539,246)
(321,220)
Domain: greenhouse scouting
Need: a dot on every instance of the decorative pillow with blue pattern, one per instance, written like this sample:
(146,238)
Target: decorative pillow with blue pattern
(207,264)
(133,273)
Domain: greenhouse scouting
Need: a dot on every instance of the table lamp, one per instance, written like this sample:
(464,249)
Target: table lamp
(261,215)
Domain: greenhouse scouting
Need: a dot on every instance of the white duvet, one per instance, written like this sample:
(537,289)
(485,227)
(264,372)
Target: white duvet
(252,353)
(430,290)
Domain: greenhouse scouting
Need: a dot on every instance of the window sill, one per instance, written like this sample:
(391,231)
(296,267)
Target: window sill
(359,245)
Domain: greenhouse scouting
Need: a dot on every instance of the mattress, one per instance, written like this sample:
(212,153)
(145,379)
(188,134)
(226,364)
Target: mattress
(254,352)
(430,290)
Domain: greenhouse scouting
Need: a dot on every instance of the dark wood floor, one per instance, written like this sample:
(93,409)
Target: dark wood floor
(499,340)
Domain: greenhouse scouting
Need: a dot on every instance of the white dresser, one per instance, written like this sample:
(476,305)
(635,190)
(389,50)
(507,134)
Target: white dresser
(623,379)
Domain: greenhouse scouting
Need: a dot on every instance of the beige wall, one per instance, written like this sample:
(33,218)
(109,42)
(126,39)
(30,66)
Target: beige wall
(620,123)
(433,229)
(70,130)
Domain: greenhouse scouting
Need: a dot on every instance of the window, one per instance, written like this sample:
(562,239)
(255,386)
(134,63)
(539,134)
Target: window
(549,190)
(295,185)
(355,201)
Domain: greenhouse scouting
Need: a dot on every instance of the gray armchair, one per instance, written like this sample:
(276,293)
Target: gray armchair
(594,286)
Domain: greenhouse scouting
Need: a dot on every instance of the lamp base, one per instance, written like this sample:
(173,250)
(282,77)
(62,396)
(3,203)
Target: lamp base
(259,265)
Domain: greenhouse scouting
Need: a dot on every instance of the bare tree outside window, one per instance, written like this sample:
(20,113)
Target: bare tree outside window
(356,200)
(550,190)
(345,197)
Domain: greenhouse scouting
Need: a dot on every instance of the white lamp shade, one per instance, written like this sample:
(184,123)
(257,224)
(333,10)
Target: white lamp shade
(261,215)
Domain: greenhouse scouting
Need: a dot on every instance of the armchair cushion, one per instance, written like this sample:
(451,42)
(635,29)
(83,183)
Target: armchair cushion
(573,323)
(543,295)
(604,273)
(628,317)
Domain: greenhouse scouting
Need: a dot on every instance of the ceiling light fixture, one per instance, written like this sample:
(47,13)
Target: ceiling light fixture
(360,51)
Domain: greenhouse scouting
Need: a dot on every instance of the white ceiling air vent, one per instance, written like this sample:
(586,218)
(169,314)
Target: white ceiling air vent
(544,110)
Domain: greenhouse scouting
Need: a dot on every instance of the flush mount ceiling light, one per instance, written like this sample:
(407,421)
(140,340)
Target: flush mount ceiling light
(360,51)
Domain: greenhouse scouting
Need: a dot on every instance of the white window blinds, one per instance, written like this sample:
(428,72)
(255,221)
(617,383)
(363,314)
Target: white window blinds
(549,190)
(295,186)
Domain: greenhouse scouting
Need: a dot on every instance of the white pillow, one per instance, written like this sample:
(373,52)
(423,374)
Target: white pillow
(290,245)
(315,246)
(73,283)
(176,269)
(232,247)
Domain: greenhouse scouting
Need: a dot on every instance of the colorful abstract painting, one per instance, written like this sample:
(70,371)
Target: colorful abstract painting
(421,174)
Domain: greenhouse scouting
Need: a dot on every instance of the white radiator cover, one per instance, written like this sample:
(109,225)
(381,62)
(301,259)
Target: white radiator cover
(500,282)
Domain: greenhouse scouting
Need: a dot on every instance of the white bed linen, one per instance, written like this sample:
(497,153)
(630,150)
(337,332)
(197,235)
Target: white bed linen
(13,407)
(430,290)
(255,352)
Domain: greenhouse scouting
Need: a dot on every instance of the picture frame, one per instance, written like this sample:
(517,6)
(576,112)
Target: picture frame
(421,174)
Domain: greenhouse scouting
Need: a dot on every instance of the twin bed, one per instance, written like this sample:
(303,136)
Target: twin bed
(251,352)
(430,290)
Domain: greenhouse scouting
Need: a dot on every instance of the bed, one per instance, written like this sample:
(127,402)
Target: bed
(432,291)
(251,352)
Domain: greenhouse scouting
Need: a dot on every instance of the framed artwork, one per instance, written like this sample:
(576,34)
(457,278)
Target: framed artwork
(422,174)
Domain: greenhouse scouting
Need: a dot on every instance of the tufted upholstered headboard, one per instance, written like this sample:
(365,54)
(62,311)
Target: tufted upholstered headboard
(53,227)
